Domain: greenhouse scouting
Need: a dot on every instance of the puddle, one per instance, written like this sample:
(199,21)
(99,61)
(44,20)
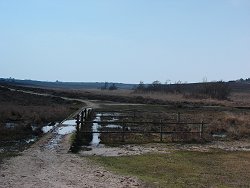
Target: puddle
(47,129)
(108,114)
(29,141)
(95,127)
(67,127)
(69,122)
(96,136)
(114,126)
(98,115)
(10,125)
(219,135)
(113,120)
(53,143)
(66,130)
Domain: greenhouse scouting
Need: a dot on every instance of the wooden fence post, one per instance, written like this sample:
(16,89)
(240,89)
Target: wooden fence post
(89,113)
(82,118)
(201,130)
(123,132)
(85,114)
(161,130)
(178,117)
(77,123)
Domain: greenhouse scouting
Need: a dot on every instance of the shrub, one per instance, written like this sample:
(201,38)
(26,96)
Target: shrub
(217,90)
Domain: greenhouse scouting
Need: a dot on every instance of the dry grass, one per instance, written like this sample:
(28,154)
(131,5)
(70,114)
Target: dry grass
(35,114)
(232,122)
(26,110)
(238,125)
(121,95)
(164,97)
(18,106)
(241,98)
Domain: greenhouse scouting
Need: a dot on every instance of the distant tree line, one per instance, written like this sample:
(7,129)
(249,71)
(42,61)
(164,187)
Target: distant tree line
(243,80)
(107,86)
(217,90)
(157,86)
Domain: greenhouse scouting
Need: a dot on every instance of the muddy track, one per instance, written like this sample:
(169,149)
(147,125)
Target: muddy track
(41,166)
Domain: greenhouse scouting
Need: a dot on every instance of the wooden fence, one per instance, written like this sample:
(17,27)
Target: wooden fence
(85,118)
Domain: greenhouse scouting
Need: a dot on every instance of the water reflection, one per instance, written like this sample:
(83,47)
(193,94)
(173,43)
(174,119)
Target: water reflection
(96,136)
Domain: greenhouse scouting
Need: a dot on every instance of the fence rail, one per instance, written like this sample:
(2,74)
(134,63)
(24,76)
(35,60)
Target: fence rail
(142,132)
(83,119)
(143,122)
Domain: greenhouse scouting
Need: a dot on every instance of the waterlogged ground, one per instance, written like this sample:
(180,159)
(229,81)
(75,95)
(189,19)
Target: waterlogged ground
(48,163)
(57,129)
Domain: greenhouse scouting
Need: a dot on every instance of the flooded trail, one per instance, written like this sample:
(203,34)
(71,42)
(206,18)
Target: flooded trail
(47,163)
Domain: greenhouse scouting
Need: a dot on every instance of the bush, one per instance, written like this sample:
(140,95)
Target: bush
(217,90)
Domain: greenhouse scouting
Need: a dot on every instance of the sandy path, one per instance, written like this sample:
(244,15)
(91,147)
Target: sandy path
(42,167)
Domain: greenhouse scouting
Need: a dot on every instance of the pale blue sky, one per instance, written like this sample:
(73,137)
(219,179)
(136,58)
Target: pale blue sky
(125,40)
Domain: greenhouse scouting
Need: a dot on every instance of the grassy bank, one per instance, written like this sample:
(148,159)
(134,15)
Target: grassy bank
(185,168)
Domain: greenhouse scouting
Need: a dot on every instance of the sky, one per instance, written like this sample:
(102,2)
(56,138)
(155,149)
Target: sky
(125,40)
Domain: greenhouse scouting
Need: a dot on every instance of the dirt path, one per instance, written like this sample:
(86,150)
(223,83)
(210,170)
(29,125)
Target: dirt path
(42,167)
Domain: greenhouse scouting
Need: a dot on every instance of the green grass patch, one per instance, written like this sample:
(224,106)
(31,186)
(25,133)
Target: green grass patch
(185,168)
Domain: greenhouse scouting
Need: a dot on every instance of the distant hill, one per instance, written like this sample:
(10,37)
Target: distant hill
(240,85)
(64,85)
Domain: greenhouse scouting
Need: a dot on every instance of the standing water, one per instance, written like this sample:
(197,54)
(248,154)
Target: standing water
(96,136)
(59,131)
(95,128)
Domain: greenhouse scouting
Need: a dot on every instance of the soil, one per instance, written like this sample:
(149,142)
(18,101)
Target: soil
(41,166)
(135,149)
